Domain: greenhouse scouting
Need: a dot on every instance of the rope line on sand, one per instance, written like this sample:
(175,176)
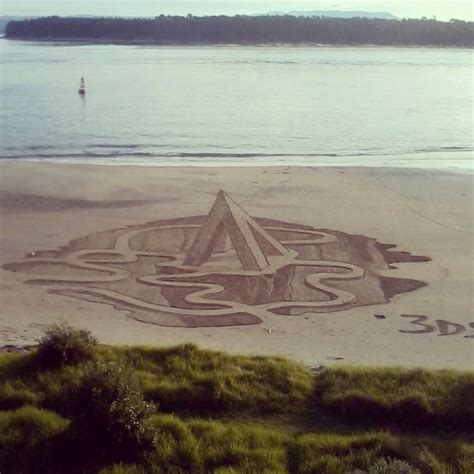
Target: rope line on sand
(418,213)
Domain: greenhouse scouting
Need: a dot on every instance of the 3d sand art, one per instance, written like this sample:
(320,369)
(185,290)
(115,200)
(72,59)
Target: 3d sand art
(223,269)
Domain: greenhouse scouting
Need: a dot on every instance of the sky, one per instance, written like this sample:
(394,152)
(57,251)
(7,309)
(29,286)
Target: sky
(442,9)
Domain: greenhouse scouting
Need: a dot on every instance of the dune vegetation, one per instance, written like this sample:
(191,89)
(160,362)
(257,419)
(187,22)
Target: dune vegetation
(74,406)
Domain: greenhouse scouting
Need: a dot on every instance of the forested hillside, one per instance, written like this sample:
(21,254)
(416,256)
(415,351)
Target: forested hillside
(249,30)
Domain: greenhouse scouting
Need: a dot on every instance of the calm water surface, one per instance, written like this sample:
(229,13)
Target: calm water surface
(237,105)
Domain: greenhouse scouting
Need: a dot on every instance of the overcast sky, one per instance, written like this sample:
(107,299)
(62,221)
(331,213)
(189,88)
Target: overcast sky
(444,10)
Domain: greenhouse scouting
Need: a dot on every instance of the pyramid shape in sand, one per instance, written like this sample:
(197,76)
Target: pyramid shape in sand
(228,225)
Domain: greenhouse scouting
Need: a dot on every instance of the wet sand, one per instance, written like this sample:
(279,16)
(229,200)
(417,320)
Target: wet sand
(430,214)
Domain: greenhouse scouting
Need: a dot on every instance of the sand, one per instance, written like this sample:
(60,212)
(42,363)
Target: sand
(45,206)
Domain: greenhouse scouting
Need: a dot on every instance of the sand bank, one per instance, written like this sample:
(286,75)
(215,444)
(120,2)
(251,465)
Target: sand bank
(426,214)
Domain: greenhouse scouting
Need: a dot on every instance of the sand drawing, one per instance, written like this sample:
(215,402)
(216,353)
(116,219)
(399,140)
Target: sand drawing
(445,328)
(226,268)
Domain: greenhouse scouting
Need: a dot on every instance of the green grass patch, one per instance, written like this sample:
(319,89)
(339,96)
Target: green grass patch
(340,454)
(206,446)
(406,397)
(190,381)
(186,378)
(200,447)
(29,436)
(179,379)
(186,410)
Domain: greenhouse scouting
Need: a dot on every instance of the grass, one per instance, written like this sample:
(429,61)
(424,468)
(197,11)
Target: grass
(185,378)
(234,414)
(30,437)
(207,446)
(182,378)
(406,397)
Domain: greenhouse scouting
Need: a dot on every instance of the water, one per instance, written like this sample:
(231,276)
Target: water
(237,105)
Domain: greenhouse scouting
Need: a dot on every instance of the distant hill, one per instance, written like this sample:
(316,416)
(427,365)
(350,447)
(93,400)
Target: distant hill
(4,20)
(339,14)
(269,29)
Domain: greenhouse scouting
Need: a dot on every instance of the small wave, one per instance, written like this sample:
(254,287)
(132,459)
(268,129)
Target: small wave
(136,151)
(142,154)
(246,155)
(105,145)
(76,155)
(444,148)
(86,147)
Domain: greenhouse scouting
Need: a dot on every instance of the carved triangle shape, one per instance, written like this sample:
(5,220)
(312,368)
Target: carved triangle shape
(227,220)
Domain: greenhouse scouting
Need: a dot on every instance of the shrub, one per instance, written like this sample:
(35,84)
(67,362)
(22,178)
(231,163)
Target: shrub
(109,411)
(64,345)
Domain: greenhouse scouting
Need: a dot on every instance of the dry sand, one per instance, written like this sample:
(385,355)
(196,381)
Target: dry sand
(45,206)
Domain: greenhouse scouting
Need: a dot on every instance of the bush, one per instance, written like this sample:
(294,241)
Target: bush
(64,345)
(109,411)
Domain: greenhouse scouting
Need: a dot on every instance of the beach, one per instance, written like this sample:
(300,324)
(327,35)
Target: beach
(44,206)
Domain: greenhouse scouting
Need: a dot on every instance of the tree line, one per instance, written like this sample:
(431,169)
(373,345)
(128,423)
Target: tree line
(239,29)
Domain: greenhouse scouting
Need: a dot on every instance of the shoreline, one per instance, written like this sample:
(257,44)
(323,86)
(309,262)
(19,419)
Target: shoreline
(112,42)
(210,164)
(424,213)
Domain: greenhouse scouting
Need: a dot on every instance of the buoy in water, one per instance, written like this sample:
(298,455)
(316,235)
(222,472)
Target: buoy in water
(82,87)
